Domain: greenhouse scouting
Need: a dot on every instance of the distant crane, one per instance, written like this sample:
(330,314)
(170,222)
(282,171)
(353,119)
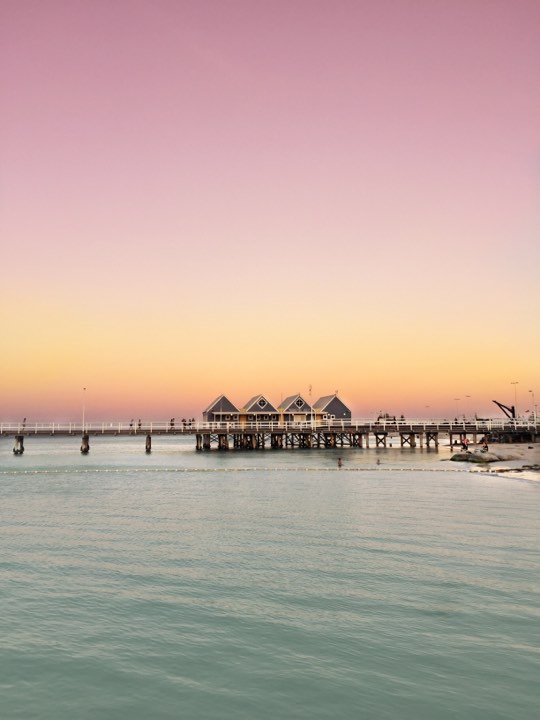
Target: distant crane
(508,411)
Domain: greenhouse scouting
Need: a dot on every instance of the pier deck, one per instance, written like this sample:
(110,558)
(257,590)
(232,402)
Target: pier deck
(328,434)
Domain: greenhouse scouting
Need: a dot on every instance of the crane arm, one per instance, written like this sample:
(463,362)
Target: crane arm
(508,411)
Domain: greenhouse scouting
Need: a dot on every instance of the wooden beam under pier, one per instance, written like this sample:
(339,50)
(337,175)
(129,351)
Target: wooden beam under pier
(380,439)
(408,438)
(432,436)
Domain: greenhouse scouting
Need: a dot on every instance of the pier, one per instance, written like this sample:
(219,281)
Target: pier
(361,434)
(355,433)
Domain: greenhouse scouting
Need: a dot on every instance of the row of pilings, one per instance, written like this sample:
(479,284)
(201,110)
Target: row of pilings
(307,439)
(255,440)
(18,448)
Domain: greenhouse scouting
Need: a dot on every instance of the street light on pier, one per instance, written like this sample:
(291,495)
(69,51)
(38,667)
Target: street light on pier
(515,384)
(533,406)
(467,397)
(83,407)
(456,400)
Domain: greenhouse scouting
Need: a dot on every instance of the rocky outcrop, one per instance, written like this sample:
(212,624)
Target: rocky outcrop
(475,457)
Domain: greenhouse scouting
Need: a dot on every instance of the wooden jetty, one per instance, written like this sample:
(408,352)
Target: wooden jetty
(340,435)
(359,433)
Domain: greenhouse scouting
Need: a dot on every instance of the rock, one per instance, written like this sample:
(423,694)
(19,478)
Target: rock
(473,457)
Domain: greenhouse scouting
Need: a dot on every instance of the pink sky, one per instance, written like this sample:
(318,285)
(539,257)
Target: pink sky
(244,197)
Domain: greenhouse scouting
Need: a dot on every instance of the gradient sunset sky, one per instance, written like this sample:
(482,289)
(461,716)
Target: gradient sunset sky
(201,197)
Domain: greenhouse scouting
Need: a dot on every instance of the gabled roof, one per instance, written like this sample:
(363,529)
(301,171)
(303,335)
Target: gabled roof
(322,403)
(222,405)
(254,405)
(290,403)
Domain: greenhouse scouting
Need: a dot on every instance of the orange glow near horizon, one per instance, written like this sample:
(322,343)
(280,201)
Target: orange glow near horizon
(133,365)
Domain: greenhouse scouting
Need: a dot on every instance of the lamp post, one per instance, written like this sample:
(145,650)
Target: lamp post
(533,406)
(456,400)
(515,384)
(83,408)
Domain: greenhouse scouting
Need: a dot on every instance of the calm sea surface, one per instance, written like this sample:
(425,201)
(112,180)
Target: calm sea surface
(264,585)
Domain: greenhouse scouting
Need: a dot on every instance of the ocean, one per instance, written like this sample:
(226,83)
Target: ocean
(264,585)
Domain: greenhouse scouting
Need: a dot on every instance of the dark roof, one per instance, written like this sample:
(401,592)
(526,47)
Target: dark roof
(290,404)
(253,405)
(221,405)
(322,403)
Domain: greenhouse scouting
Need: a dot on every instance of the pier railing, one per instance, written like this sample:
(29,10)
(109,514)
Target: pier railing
(123,427)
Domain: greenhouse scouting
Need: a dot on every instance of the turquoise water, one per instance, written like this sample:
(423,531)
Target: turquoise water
(264,585)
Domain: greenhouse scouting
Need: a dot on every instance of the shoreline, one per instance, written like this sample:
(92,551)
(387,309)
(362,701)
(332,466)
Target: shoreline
(515,459)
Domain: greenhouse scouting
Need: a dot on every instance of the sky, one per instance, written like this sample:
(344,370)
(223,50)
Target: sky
(235,196)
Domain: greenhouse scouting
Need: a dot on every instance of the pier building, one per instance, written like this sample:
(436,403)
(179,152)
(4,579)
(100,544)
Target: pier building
(259,410)
(295,409)
(221,410)
(330,407)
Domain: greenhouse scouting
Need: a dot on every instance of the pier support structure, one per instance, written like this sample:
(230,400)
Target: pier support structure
(276,441)
(18,448)
(223,441)
(380,439)
(408,438)
(432,437)
(85,443)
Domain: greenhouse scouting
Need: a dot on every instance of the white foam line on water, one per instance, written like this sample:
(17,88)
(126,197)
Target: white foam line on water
(86,471)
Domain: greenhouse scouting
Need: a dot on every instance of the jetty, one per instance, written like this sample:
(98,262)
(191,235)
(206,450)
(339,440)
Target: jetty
(276,435)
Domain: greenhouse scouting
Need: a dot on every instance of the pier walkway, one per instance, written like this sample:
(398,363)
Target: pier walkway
(359,432)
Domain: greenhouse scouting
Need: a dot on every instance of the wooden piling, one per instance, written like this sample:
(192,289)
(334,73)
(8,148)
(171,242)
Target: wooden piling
(85,444)
(276,441)
(18,448)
